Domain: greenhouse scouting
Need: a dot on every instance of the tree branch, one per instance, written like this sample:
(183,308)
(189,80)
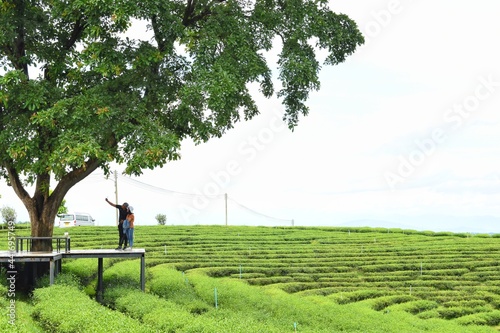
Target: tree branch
(190,18)
(156,29)
(17,185)
(76,175)
(76,33)
(19,45)
(68,44)
(189,11)
(41,190)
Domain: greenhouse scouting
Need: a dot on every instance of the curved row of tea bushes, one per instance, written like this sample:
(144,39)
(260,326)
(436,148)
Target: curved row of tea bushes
(452,276)
(66,309)
(17,317)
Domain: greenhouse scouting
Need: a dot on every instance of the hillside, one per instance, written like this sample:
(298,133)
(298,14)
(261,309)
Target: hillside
(259,279)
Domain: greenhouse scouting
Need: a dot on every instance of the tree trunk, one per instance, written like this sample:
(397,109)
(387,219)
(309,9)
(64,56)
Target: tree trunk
(42,207)
(42,225)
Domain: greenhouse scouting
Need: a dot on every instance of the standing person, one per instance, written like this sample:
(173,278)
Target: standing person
(123,211)
(130,230)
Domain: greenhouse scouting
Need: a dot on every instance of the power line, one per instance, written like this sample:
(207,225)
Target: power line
(160,189)
(154,188)
(255,212)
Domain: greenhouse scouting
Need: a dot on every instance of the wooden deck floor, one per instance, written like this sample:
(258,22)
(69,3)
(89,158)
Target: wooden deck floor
(55,261)
(24,256)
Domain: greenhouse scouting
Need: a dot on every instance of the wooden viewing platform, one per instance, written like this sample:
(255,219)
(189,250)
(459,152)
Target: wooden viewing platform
(54,259)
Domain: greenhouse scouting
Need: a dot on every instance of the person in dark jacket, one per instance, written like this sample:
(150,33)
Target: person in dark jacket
(123,211)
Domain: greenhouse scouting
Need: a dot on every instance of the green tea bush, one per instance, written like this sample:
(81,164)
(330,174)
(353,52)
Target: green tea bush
(381,303)
(161,314)
(221,271)
(265,309)
(429,314)
(241,305)
(111,294)
(123,273)
(491,318)
(136,303)
(482,235)
(67,279)
(65,309)
(168,319)
(489,296)
(22,320)
(264,281)
(471,303)
(84,268)
(230,322)
(456,312)
(166,281)
(356,296)
(416,307)
(319,267)
(173,285)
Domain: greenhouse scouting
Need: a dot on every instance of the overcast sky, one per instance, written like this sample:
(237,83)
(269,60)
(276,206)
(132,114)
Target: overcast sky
(405,133)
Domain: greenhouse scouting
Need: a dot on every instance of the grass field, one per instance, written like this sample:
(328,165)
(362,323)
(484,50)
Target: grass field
(262,279)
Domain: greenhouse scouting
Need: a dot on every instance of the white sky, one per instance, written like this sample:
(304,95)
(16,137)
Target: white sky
(405,132)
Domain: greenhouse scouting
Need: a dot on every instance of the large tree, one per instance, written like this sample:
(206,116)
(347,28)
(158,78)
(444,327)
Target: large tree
(77,92)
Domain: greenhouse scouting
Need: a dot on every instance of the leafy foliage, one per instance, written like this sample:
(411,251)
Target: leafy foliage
(123,274)
(9,215)
(62,308)
(22,318)
(161,219)
(79,91)
(341,280)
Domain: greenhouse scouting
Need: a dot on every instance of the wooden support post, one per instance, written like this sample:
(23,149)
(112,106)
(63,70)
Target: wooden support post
(100,286)
(35,273)
(51,271)
(143,273)
(59,266)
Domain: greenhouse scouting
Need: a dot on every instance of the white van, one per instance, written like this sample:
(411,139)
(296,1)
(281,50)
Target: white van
(75,220)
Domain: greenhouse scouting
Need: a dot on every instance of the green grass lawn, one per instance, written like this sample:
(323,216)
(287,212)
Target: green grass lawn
(262,279)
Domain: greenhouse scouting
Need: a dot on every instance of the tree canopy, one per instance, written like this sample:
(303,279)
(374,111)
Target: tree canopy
(78,92)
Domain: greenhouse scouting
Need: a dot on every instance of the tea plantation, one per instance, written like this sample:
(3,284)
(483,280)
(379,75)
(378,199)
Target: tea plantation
(263,279)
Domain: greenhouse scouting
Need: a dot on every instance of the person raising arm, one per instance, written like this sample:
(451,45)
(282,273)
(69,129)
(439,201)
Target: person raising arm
(123,211)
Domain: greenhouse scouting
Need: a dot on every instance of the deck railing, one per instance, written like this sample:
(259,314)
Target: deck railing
(20,242)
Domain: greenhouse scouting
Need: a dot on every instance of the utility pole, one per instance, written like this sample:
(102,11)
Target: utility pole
(116,195)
